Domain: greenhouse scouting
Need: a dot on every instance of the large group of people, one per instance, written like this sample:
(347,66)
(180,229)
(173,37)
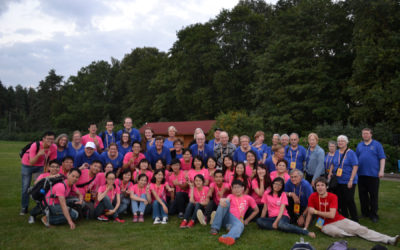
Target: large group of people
(218,182)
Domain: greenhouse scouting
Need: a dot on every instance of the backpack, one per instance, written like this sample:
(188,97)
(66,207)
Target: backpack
(338,245)
(27,147)
(39,190)
(302,245)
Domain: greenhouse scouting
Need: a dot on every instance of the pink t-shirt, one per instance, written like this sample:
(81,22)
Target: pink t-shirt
(210,176)
(59,190)
(123,186)
(249,171)
(49,154)
(137,190)
(136,160)
(160,191)
(228,176)
(274,203)
(111,193)
(84,178)
(239,205)
(200,195)
(192,173)
(181,178)
(254,185)
(217,190)
(274,174)
(41,176)
(186,166)
(62,172)
(137,173)
(87,138)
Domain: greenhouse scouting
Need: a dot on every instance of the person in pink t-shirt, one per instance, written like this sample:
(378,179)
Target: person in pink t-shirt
(132,159)
(67,165)
(186,160)
(198,168)
(93,137)
(108,200)
(228,168)
(140,198)
(211,167)
(101,177)
(241,175)
(260,184)
(275,202)
(159,189)
(124,183)
(33,162)
(143,168)
(251,166)
(231,211)
(281,170)
(198,201)
(177,179)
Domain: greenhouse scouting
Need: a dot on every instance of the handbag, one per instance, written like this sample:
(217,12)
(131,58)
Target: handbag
(333,182)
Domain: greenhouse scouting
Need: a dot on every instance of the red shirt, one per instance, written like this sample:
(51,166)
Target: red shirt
(324,205)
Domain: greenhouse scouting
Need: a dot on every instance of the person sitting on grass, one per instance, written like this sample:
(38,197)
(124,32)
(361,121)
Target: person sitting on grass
(198,168)
(108,200)
(230,213)
(159,189)
(177,179)
(59,212)
(140,197)
(124,183)
(143,168)
(324,205)
(275,202)
(198,201)
(240,174)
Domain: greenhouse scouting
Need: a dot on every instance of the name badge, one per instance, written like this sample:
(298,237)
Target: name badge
(339,172)
(320,223)
(88,197)
(296,208)
(293,165)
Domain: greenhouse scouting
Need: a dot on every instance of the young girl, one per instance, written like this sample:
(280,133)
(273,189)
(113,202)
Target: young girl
(198,168)
(241,175)
(275,202)
(186,160)
(198,200)
(260,184)
(211,167)
(251,166)
(144,168)
(161,164)
(124,183)
(228,167)
(159,189)
(177,179)
(281,170)
(124,145)
(140,197)
(108,200)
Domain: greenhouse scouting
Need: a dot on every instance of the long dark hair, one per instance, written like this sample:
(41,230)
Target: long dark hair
(224,168)
(199,158)
(267,179)
(153,179)
(255,157)
(282,181)
(244,176)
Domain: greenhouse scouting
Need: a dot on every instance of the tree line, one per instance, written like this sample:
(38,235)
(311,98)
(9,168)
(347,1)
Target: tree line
(293,66)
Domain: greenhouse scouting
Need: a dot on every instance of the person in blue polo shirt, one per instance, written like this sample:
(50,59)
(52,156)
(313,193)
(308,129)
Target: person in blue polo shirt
(87,156)
(295,153)
(200,148)
(158,151)
(108,136)
(214,142)
(240,152)
(371,167)
(133,132)
(114,157)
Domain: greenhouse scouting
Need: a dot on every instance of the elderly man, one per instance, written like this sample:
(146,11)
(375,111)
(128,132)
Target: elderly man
(297,190)
(285,140)
(240,152)
(295,153)
(200,148)
(225,148)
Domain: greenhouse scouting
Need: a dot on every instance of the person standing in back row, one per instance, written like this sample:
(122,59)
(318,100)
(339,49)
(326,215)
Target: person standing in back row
(133,132)
(371,167)
(295,153)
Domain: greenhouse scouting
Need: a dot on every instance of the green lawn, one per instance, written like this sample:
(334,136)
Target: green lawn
(16,233)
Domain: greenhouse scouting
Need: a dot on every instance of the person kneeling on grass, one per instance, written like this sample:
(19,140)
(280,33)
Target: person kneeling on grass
(198,201)
(325,205)
(275,202)
(108,200)
(159,189)
(231,211)
(140,197)
(59,212)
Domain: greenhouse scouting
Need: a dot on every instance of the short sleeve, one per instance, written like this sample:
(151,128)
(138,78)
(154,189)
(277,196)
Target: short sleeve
(251,201)
(284,199)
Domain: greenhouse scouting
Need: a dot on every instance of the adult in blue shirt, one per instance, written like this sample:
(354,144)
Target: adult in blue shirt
(345,166)
(200,148)
(108,136)
(263,150)
(371,167)
(87,156)
(124,145)
(75,146)
(315,155)
(217,140)
(297,190)
(240,152)
(158,151)
(279,154)
(62,144)
(169,142)
(114,157)
(295,153)
(133,132)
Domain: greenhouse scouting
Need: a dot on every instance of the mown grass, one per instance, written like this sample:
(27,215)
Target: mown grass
(16,233)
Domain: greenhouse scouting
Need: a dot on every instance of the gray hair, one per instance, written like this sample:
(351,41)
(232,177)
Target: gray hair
(298,171)
(197,131)
(343,137)
(284,135)
(172,127)
(332,143)
(277,135)
(296,134)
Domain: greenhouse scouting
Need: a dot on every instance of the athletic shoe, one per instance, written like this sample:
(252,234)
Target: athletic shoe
(180,215)
(119,220)
(141,218)
(190,224)
(395,240)
(227,240)
(23,211)
(183,224)
(102,218)
(157,221)
(31,219)
(213,231)
(200,217)
(164,220)
(135,218)
(45,221)
(212,217)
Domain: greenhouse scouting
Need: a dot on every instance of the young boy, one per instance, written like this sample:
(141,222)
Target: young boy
(231,211)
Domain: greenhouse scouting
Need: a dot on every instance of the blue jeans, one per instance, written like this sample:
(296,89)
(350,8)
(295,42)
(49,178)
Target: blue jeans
(138,206)
(57,217)
(158,210)
(191,211)
(224,218)
(283,225)
(125,201)
(105,203)
(26,174)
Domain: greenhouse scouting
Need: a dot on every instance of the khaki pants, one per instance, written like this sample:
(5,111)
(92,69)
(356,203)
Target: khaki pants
(348,227)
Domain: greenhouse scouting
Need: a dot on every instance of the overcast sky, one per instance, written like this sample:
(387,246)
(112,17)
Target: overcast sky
(38,35)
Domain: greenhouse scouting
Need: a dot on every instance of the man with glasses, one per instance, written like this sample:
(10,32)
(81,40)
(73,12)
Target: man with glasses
(133,132)
(295,153)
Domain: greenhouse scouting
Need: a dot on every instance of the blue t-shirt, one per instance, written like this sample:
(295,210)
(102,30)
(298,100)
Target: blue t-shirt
(135,135)
(348,163)
(81,158)
(204,154)
(168,144)
(152,155)
(240,156)
(117,162)
(369,157)
(122,150)
(327,162)
(108,139)
(298,156)
(211,144)
(264,149)
(304,189)
(270,164)
(73,152)
(61,155)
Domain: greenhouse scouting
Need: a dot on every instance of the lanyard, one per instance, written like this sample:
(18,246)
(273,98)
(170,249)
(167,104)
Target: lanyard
(344,158)
(319,203)
(294,190)
(327,165)
(295,160)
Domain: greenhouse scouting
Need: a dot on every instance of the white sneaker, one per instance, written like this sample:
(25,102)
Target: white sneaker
(200,217)
(164,220)
(31,219)
(156,221)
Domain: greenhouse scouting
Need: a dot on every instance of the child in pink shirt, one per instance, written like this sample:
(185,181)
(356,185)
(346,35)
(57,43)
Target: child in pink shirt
(144,168)
(251,166)
(186,160)
(260,184)
(159,189)
(281,170)
(211,167)
(228,168)
(240,174)
(177,179)
(198,168)
(140,197)
(132,160)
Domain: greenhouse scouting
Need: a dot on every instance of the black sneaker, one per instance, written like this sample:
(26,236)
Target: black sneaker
(23,211)
(213,231)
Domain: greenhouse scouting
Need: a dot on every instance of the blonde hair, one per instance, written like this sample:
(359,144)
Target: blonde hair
(313,135)
(258,134)
(172,127)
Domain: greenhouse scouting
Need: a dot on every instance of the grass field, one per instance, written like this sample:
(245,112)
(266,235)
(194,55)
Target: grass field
(16,233)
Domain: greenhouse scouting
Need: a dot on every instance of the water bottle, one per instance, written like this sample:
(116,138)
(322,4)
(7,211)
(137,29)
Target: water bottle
(42,191)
